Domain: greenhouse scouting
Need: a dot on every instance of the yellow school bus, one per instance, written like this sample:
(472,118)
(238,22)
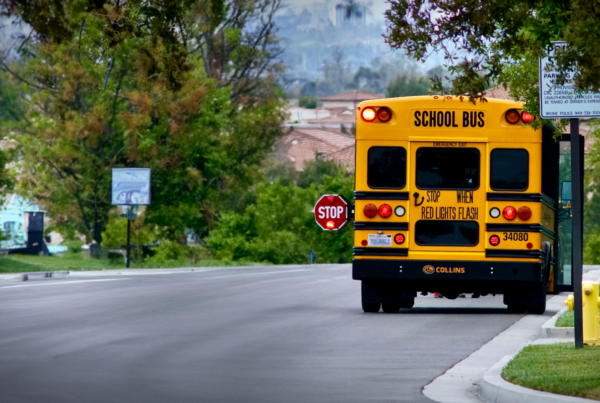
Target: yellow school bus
(455,197)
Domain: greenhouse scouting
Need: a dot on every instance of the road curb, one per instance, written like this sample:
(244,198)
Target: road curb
(130,272)
(550,331)
(494,389)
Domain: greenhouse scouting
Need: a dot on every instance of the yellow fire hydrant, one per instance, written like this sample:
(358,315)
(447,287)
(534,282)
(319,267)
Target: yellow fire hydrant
(591,321)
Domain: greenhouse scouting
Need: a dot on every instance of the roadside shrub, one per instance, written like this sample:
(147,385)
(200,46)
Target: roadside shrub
(308,102)
(280,228)
(168,250)
(74,245)
(115,235)
(195,253)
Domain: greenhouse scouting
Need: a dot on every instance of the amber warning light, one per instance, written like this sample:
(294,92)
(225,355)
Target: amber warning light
(332,212)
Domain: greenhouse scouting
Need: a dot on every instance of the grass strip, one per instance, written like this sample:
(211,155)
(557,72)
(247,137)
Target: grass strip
(557,368)
(80,261)
(567,319)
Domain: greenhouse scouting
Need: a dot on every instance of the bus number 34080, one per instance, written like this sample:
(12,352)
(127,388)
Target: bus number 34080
(516,236)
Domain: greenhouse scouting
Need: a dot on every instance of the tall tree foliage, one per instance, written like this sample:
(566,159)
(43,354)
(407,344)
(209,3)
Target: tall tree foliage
(184,87)
(479,39)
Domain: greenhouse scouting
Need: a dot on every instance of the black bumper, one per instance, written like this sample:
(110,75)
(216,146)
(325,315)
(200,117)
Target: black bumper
(447,271)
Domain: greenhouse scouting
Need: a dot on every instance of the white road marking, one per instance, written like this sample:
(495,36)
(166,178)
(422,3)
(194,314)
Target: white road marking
(63,283)
(249,274)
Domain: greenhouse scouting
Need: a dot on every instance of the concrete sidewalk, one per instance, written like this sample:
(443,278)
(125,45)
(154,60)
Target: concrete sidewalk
(478,378)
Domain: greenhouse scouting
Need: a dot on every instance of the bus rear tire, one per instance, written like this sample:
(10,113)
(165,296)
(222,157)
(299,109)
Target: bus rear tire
(371,307)
(539,296)
(390,307)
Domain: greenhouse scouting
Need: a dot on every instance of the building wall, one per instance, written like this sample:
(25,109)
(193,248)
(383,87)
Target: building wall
(12,221)
(339,104)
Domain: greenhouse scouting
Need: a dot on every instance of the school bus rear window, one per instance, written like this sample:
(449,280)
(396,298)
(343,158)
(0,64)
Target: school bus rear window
(447,168)
(509,169)
(386,167)
(446,233)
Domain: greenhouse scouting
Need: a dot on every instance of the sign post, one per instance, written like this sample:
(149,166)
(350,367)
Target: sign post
(562,101)
(130,189)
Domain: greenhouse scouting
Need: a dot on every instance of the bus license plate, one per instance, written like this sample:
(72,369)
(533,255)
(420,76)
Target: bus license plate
(380,240)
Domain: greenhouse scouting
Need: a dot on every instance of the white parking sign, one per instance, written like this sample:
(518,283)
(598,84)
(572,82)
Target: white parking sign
(562,101)
(130,186)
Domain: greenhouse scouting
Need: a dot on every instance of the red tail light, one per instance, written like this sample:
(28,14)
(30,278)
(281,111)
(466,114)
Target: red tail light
(385,210)
(399,239)
(494,240)
(524,213)
(370,210)
(369,114)
(527,117)
(509,212)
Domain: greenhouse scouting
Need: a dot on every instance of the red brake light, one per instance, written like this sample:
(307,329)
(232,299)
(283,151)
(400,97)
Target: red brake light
(524,213)
(494,240)
(370,210)
(399,239)
(385,210)
(369,114)
(527,117)
(509,212)
(529,245)
(513,116)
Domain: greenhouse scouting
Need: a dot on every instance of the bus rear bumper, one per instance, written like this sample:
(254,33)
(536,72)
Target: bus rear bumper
(447,271)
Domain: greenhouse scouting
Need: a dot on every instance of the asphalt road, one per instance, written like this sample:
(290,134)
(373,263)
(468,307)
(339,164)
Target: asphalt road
(229,335)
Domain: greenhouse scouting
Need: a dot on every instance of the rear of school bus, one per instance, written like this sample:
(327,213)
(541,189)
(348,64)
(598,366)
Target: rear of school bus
(449,199)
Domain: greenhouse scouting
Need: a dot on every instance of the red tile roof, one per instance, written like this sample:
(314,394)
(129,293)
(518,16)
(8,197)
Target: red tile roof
(345,157)
(498,92)
(303,144)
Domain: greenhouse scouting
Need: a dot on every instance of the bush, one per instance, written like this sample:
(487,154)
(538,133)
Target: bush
(74,245)
(308,102)
(115,235)
(196,253)
(168,250)
(280,228)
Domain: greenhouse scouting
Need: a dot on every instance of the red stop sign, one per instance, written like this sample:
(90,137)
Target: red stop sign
(332,212)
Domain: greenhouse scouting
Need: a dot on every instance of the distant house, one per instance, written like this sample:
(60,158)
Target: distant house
(349,100)
(13,221)
(302,144)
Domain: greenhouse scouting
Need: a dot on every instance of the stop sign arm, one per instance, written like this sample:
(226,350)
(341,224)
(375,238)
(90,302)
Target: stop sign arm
(333,212)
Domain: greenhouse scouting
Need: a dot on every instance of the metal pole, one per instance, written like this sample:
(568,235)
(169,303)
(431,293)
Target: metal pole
(577,206)
(128,243)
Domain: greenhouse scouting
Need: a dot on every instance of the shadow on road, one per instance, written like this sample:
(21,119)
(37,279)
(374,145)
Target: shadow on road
(454,311)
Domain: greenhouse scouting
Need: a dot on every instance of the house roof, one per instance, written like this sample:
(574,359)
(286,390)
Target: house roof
(498,92)
(353,96)
(303,144)
(345,157)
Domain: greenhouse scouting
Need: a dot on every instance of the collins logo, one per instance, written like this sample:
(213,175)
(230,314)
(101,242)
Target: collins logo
(428,269)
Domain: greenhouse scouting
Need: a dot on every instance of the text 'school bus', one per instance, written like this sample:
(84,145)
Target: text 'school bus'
(453,197)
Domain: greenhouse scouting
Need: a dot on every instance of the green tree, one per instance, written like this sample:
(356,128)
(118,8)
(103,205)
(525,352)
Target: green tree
(279,226)
(187,88)
(404,86)
(495,35)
